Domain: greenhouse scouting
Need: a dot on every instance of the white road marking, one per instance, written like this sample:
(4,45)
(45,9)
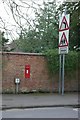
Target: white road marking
(12,110)
(29,109)
(76,109)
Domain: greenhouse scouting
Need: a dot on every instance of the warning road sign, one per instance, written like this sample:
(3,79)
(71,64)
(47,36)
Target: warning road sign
(63,34)
(63,41)
(64,23)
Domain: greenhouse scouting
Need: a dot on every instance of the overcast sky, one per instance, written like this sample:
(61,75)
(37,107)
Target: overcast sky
(6,15)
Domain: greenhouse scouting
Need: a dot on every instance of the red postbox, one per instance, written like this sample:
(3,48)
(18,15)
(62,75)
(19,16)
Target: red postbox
(27,71)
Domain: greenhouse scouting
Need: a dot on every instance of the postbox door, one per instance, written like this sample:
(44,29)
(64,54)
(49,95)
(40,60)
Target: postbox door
(27,71)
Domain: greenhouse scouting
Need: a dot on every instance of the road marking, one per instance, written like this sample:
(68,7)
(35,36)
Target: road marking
(44,108)
(32,109)
(76,109)
(29,109)
(12,110)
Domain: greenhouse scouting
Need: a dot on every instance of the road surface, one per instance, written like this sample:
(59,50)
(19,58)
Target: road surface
(57,112)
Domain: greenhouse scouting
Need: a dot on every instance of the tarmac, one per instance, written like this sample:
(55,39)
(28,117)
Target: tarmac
(35,100)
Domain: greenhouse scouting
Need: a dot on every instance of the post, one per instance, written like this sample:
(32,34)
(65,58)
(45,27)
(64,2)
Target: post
(60,69)
(17,82)
(17,88)
(63,46)
(63,58)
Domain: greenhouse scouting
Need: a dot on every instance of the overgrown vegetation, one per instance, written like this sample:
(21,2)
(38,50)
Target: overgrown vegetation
(71,62)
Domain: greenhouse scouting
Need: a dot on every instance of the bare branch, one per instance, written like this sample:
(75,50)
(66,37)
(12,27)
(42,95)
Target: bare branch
(20,10)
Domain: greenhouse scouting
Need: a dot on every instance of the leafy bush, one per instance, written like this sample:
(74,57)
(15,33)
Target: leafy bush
(53,60)
(71,61)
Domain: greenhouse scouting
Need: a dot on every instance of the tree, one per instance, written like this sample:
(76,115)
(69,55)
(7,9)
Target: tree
(44,36)
(20,16)
(3,43)
(47,27)
(44,28)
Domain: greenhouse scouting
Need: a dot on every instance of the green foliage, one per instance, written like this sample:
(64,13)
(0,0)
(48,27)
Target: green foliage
(71,61)
(53,60)
(47,28)
(44,36)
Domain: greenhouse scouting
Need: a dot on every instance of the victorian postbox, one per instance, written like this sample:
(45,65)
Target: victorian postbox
(27,71)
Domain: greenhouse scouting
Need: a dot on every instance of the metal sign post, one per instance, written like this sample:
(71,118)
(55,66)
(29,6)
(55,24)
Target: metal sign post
(63,47)
(60,74)
(63,56)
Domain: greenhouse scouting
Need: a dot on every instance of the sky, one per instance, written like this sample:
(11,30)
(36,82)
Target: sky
(7,17)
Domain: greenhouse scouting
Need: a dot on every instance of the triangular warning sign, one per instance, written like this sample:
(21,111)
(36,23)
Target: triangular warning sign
(64,24)
(63,41)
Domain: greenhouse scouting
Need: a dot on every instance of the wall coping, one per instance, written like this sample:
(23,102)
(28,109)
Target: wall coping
(22,53)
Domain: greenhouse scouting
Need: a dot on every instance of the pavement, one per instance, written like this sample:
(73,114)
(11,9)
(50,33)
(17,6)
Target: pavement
(10,101)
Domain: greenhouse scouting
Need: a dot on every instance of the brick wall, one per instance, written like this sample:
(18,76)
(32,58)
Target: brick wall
(40,80)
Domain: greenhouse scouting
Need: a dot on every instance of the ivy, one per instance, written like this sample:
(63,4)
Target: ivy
(71,61)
